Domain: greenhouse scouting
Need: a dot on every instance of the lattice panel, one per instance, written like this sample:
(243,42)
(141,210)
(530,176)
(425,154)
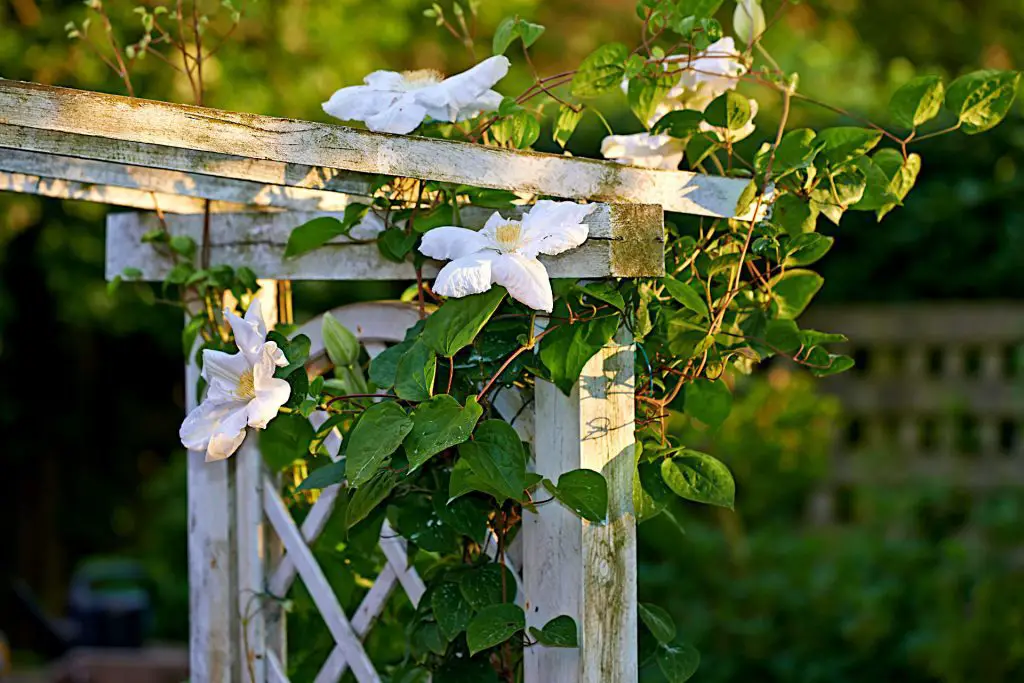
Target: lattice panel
(376,325)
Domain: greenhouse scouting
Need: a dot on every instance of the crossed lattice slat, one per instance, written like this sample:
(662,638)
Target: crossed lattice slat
(375,325)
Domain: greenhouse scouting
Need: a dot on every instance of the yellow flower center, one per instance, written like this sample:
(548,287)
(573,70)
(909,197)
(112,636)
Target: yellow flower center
(507,236)
(421,78)
(246,386)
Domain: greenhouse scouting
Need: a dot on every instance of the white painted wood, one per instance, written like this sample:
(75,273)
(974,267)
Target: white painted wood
(571,566)
(225,166)
(212,650)
(111,117)
(615,248)
(250,548)
(397,552)
(180,183)
(369,609)
(108,194)
(275,669)
(516,409)
(319,589)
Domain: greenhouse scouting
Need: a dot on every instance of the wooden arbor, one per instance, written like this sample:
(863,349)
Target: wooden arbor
(265,175)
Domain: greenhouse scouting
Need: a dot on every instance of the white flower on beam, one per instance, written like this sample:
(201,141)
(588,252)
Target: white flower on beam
(392,102)
(505,252)
(644,149)
(242,390)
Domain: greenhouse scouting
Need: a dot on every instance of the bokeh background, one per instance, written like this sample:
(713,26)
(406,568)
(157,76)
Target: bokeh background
(914,575)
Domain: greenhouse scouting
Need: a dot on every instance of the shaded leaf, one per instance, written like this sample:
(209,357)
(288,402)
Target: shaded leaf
(699,477)
(377,434)
(438,424)
(494,625)
(559,632)
(658,621)
(456,323)
(708,401)
(583,491)
(496,455)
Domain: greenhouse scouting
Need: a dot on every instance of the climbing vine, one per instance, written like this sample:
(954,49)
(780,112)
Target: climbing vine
(424,446)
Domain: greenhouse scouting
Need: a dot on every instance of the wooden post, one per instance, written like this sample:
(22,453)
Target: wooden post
(572,566)
(227,551)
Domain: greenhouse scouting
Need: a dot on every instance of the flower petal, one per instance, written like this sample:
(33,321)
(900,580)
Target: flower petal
(359,102)
(644,149)
(214,426)
(465,91)
(448,243)
(525,279)
(748,21)
(222,372)
(224,445)
(385,80)
(553,227)
(271,392)
(402,116)
(249,332)
(467,275)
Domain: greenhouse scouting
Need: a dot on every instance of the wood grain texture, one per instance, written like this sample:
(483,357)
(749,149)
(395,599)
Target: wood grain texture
(572,566)
(258,240)
(110,118)
(104,174)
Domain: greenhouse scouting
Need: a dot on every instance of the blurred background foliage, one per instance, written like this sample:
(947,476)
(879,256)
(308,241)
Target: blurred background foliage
(91,464)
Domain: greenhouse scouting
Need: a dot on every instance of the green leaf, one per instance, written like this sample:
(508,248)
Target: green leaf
(601,71)
(496,455)
(825,364)
(708,401)
(565,124)
(678,663)
(699,148)
(813,337)
(605,291)
(378,433)
(456,323)
(699,477)
(902,174)
(414,376)
(686,295)
(451,610)
(583,491)
(644,94)
(877,191)
(384,366)
(681,123)
(730,110)
(981,99)
(559,632)
(794,214)
(493,626)
(793,291)
(296,351)
(184,245)
(438,424)
(394,244)
(845,143)
(511,28)
(702,9)
(483,586)
(313,234)
(322,477)
(464,480)
(838,192)
(917,101)
(806,248)
(285,440)
(520,129)
(796,151)
(342,346)
(367,497)
(567,348)
(658,621)
(784,335)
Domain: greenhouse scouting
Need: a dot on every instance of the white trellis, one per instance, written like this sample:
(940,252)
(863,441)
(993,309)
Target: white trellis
(262,176)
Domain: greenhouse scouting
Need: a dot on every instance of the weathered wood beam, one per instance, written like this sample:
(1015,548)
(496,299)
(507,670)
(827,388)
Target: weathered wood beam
(112,120)
(625,241)
(101,175)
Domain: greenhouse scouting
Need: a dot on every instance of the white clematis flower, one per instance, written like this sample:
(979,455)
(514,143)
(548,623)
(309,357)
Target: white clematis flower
(505,252)
(242,390)
(709,75)
(644,149)
(748,20)
(392,102)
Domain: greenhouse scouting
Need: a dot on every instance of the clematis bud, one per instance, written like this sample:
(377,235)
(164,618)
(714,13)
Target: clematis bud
(748,21)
